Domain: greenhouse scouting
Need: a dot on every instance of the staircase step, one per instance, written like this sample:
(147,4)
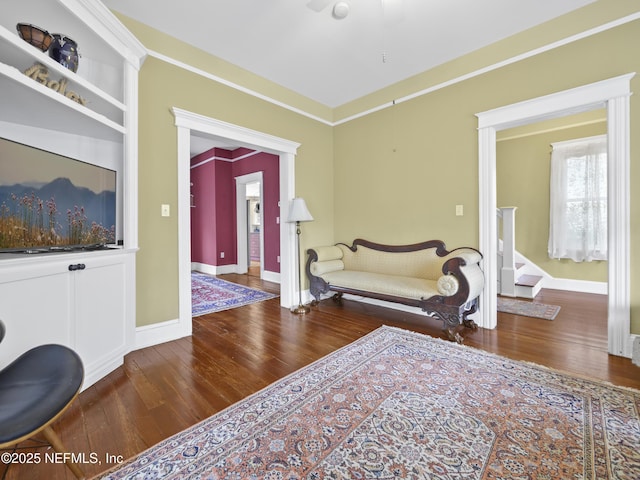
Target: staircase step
(528,280)
(519,265)
(528,286)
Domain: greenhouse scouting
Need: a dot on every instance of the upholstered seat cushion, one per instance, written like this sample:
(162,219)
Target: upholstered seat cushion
(35,387)
(384,284)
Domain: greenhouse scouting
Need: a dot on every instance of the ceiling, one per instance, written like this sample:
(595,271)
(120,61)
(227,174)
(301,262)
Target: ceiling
(300,45)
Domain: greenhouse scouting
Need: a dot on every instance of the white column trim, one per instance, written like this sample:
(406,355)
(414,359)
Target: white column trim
(288,265)
(619,236)
(487,315)
(184,232)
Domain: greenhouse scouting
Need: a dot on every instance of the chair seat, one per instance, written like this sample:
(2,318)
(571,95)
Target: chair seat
(35,388)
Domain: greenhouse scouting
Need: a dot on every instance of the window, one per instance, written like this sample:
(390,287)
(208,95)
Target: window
(578,202)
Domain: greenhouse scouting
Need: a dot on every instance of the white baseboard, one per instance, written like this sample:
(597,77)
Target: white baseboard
(268,276)
(396,306)
(371,301)
(156,333)
(214,269)
(382,303)
(571,285)
(203,267)
(634,348)
(95,373)
(233,268)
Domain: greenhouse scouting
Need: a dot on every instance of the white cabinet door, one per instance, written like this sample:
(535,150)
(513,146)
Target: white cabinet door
(100,317)
(36,309)
(86,302)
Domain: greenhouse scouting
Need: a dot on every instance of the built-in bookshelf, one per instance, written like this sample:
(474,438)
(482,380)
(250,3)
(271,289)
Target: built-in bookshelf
(84,299)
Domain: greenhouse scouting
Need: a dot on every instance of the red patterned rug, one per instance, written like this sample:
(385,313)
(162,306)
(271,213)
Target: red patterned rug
(210,294)
(401,405)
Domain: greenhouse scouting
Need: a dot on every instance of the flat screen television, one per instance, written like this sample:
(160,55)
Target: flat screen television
(50,202)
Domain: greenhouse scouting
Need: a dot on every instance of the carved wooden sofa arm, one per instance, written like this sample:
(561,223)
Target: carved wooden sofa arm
(444,284)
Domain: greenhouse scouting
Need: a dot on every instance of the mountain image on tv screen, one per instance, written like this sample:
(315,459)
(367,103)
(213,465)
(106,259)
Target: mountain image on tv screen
(48,200)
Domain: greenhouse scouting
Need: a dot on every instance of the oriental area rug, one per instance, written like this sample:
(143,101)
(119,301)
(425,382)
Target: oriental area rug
(401,405)
(528,308)
(211,294)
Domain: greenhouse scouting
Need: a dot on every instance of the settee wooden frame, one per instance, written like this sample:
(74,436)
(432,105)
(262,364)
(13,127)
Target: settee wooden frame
(452,310)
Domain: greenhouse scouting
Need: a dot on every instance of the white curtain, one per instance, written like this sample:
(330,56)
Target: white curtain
(578,210)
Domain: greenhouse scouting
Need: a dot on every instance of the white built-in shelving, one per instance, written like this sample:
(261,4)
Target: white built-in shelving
(91,309)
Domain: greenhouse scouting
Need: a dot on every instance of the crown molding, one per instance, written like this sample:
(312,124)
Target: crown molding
(461,78)
(107,25)
(253,93)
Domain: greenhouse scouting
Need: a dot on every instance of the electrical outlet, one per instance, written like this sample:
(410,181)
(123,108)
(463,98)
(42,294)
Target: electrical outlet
(459,210)
(221,254)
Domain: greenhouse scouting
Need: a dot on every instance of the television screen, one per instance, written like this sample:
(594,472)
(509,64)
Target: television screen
(50,202)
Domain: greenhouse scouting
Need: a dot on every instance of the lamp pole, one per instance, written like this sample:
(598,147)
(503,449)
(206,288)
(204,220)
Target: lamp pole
(299,213)
(300,309)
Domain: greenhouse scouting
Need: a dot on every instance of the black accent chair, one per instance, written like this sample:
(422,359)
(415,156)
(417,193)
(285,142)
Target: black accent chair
(35,390)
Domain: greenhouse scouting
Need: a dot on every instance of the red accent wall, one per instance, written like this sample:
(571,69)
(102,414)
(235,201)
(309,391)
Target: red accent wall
(203,229)
(213,220)
(269,165)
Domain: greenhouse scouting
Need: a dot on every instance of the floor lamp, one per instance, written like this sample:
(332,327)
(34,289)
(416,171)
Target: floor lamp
(299,213)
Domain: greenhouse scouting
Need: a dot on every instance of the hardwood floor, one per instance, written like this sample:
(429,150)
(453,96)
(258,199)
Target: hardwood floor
(164,389)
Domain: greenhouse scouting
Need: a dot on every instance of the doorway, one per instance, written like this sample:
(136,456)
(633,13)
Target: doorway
(187,122)
(613,94)
(250,223)
(254,229)
(523,181)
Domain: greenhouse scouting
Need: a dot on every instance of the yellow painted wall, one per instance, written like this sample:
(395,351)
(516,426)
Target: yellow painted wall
(391,176)
(163,86)
(522,177)
(400,172)
(410,194)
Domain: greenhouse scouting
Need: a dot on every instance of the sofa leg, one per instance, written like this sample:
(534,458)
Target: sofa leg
(452,335)
(467,322)
(450,322)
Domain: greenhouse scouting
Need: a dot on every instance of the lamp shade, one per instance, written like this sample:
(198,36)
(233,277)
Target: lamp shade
(299,211)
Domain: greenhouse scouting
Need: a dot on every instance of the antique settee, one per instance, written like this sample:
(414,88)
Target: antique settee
(444,284)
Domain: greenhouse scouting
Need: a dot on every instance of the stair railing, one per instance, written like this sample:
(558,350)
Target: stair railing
(507,268)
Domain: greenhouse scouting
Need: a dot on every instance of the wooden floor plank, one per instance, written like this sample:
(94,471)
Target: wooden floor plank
(166,388)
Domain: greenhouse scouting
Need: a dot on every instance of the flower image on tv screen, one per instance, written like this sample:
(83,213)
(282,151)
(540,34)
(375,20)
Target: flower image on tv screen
(48,200)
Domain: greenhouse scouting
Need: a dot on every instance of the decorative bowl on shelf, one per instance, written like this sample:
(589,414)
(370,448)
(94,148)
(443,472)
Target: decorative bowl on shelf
(36,36)
(64,51)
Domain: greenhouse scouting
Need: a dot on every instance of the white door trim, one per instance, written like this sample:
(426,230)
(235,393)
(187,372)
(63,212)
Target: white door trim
(186,122)
(613,94)
(242,218)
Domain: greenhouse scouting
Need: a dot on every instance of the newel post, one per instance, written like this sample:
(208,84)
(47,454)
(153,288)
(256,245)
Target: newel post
(508,270)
